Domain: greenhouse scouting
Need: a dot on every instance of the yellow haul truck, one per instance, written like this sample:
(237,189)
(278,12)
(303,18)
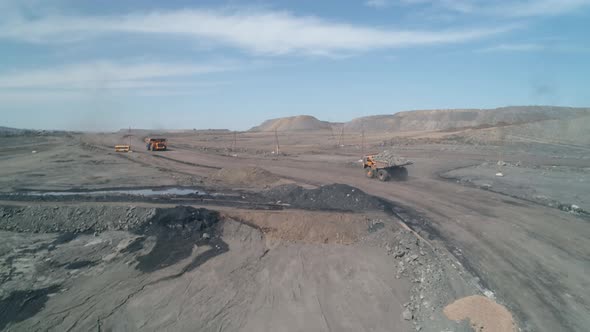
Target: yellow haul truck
(156,144)
(385,166)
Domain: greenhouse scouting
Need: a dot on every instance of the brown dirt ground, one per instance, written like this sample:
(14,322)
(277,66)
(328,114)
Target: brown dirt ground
(250,176)
(483,314)
(306,226)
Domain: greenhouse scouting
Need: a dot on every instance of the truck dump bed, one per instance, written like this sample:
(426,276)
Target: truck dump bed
(390,159)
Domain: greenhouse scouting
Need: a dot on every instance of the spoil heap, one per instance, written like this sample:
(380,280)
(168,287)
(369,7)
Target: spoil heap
(391,158)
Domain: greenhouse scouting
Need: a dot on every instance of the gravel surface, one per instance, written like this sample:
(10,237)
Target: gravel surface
(436,279)
(88,219)
(561,187)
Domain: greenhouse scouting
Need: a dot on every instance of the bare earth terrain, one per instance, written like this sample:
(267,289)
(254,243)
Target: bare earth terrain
(298,240)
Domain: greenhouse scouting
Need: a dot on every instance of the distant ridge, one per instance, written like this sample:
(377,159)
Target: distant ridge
(430,120)
(293,123)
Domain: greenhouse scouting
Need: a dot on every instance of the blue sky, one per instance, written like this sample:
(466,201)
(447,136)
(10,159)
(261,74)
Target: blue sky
(104,65)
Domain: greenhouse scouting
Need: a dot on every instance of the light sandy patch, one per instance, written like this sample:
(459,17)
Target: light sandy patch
(482,313)
(308,226)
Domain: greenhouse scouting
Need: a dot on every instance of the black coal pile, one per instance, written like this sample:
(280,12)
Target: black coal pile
(336,197)
(185,219)
(177,231)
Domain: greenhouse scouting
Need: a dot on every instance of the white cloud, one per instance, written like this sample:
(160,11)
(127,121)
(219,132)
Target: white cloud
(506,8)
(271,33)
(104,74)
(525,47)
(540,7)
(377,3)
(533,47)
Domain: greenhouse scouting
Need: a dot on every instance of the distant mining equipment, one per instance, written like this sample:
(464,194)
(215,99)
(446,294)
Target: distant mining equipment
(122,148)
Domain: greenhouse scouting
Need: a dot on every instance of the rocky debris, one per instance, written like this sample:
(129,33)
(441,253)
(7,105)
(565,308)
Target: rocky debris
(428,271)
(96,219)
(573,208)
(375,225)
(407,314)
(391,158)
(336,197)
(75,219)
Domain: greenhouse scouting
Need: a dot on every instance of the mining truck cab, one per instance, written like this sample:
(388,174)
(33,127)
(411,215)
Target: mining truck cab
(368,161)
(157,144)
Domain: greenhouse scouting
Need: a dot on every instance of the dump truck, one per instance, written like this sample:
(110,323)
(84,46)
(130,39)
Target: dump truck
(122,148)
(156,144)
(385,165)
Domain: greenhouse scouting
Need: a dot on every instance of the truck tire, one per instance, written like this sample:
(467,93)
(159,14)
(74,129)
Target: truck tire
(399,173)
(370,173)
(383,175)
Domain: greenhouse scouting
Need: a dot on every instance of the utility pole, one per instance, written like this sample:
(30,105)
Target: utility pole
(235,142)
(278,149)
(501,137)
(340,137)
(363,141)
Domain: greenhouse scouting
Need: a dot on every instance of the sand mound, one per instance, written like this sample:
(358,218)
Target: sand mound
(245,176)
(483,314)
(294,123)
(307,226)
(430,120)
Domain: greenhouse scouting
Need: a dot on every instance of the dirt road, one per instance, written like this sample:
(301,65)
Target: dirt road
(532,257)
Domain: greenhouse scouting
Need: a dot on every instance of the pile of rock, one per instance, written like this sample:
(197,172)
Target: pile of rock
(391,158)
